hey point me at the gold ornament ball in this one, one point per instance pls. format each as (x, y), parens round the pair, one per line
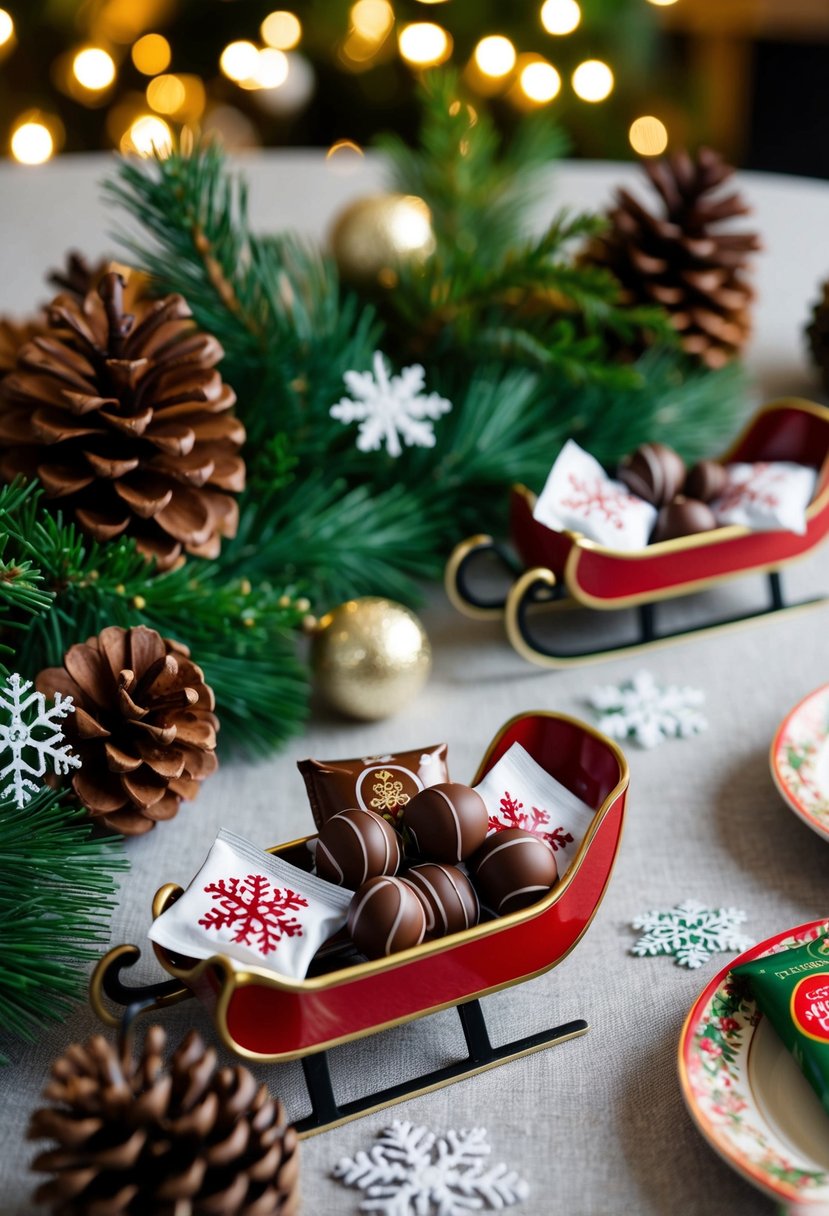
(370, 657)
(376, 234)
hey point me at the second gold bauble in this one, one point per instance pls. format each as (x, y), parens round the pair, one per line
(370, 657)
(375, 235)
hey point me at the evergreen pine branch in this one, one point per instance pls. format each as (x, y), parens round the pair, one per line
(57, 889)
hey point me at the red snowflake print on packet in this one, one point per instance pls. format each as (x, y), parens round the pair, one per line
(511, 814)
(766, 496)
(252, 908)
(578, 496)
(519, 793)
(257, 914)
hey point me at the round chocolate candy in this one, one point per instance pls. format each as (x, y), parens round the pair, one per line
(683, 517)
(654, 472)
(386, 916)
(705, 481)
(448, 898)
(513, 869)
(446, 822)
(354, 846)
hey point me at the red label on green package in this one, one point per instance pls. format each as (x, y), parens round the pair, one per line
(810, 1007)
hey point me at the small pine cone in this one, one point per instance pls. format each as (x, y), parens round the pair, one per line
(143, 725)
(145, 1138)
(679, 258)
(13, 337)
(126, 421)
(817, 334)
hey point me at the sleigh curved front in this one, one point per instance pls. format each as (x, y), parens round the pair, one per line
(263, 1016)
(606, 579)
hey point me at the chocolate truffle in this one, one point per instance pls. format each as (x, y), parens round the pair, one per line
(386, 916)
(446, 822)
(705, 481)
(356, 845)
(513, 869)
(448, 898)
(683, 517)
(654, 472)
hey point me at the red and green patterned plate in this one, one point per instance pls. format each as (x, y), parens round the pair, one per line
(746, 1094)
(800, 760)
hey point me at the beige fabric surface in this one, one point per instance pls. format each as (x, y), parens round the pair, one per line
(596, 1126)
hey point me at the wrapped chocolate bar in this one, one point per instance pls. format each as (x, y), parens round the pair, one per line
(578, 496)
(792, 990)
(519, 793)
(383, 784)
(254, 908)
(766, 496)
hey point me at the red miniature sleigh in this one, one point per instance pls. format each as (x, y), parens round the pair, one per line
(264, 1016)
(558, 568)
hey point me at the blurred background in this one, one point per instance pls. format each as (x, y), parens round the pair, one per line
(623, 76)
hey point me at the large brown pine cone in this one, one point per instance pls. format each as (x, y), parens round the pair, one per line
(143, 725)
(817, 334)
(678, 256)
(141, 1138)
(125, 420)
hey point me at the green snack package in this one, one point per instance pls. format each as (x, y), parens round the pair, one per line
(792, 990)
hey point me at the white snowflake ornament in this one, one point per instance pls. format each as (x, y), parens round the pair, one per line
(642, 710)
(31, 734)
(390, 408)
(412, 1172)
(690, 932)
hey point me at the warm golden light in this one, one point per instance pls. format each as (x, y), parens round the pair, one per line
(662, 3)
(343, 145)
(560, 16)
(424, 44)
(495, 55)
(372, 19)
(148, 135)
(271, 70)
(6, 27)
(152, 54)
(593, 80)
(648, 136)
(166, 94)
(32, 143)
(239, 60)
(281, 30)
(93, 68)
(540, 82)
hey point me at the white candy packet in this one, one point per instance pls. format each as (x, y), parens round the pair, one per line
(519, 793)
(580, 497)
(254, 908)
(766, 496)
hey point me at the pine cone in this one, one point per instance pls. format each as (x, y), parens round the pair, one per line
(680, 259)
(141, 1138)
(78, 276)
(143, 725)
(13, 337)
(126, 420)
(817, 334)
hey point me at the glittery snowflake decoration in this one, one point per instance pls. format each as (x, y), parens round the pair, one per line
(390, 408)
(642, 710)
(690, 932)
(30, 734)
(412, 1172)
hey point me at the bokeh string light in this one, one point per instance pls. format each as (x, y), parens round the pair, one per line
(495, 55)
(281, 30)
(593, 80)
(32, 142)
(152, 54)
(560, 16)
(648, 135)
(540, 81)
(6, 27)
(424, 44)
(94, 68)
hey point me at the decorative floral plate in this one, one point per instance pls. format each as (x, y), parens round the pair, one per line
(800, 760)
(746, 1094)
